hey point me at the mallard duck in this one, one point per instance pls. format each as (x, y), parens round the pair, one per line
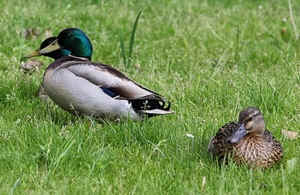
(83, 87)
(247, 142)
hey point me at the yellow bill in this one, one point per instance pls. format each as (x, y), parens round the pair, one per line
(48, 49)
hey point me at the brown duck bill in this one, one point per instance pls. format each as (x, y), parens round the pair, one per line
(237, 135)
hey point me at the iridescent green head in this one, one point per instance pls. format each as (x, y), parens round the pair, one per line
(70, 41)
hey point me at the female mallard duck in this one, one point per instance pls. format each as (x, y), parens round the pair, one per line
(80, 86)
(247, 141)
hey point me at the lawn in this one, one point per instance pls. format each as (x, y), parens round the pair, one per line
(210, 58)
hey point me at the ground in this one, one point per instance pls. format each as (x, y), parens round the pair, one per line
(209, 58)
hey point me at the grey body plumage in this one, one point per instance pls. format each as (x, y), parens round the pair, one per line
(80, 86)
(75, 85)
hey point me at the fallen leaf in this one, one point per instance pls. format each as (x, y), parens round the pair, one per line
(203, 183)
(31, 66)
(48, 33)
(189, 135)
(286, 34)
(137, 66)
(30, 33)
(290, 134)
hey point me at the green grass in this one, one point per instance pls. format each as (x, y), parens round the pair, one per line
(209, 58)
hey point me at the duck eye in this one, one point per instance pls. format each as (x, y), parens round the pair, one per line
(248, 119)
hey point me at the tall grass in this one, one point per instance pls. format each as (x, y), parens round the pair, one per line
(127, 56)
(209, 58)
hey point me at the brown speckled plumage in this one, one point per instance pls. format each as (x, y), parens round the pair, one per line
(258, 148)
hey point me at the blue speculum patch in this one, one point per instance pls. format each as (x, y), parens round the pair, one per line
(109, 92)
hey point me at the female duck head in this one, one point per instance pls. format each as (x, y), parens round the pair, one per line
(70, 41)
(252, 121)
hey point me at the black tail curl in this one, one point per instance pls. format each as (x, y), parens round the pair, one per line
(150, 102)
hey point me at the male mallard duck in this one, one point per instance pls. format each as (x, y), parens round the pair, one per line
(83, 87)
(247, 141)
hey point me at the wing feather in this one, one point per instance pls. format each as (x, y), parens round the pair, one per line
(105, 76)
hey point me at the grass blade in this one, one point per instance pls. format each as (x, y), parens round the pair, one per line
(131, 43)
(16, 184)
(237, 46)
(123, 52)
